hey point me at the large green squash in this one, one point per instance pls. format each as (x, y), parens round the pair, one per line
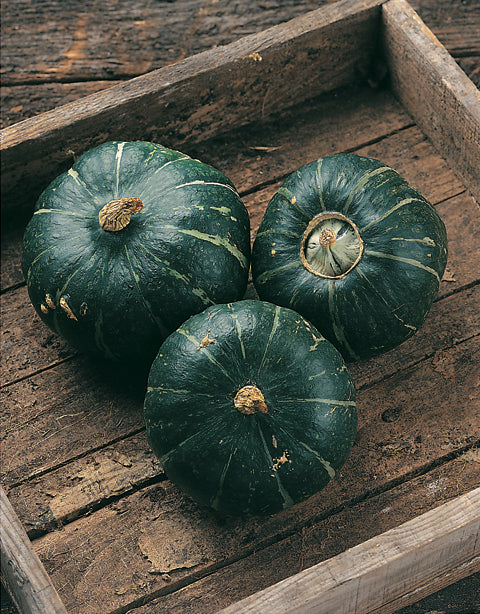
(351, 246)
(130, 242)
(249, 409)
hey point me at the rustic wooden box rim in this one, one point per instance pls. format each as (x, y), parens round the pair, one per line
(182, 103)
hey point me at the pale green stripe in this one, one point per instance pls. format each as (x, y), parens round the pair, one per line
(334, 402)
(325, 464)
(337, 328)
(409, 261)
(215, 240)
(161, 326)
(73, 173)
(292, 199)
(239, 334)
(275, 324)
(216, 498)
(62, 212)
(287, 499)
(201, 294)
(362, 183)
(399, 205)
(425, 241)
(161, 389)
(210, 183)
(182, 159)
(320, 184)
(118, 158)
(267, 275)
(385, 302)
(205, 351)
(284, 233)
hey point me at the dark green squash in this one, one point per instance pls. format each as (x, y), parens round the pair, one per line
(249, 409)
(351, 246)
(130, 242)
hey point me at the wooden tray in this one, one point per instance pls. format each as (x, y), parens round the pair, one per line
(112, 533)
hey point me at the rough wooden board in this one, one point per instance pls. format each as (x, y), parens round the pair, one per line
(458, 598)
(125, 39)
(199, 96)
(19, 102)
(31, 589)
(144, 525)
(61, 413)
(447, 106)
(322, 540)
(384, 454)
(382, 572)
(114, 42)
(92, 481)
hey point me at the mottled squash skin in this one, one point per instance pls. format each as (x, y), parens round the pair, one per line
(378, 273)
(249, 409)
(119, 294)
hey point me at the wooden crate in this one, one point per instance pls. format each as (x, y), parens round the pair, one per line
(402, 519)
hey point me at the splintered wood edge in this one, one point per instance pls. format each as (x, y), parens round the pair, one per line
(27, 581)
(431, 86)
(393, 569)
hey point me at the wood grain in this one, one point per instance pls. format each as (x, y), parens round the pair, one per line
(112, 531)
(117, 45)
(327, 538)
(31, 588)
(197, 97)
(378, 573)
(447, 105)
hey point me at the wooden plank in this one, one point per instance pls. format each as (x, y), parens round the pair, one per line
(121, 41)
(197, 97)
(158, 530)
(374, 575)
(156, 542)
(29, 585)
(330, 536)
(447, 105)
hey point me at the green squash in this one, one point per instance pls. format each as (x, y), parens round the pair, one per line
(352, 247)
(130, 242)
(249, 409)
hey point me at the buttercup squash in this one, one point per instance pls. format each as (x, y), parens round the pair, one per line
(130, 242)
(352, 247)
(249, 409)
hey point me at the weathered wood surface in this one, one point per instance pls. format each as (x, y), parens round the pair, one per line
(447, 106)
(197, 97)
(115, 534)
(31, 588)
(78, 457)
(372, 575)
(53, 54)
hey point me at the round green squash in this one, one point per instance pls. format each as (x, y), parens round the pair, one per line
(249, 409)
(351, 246)
(130, 242)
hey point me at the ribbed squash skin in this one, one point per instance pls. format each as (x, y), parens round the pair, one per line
(126, 291)
(259, 463)
(387, 295)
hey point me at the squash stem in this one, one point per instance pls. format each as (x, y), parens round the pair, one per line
(116, 214)
(250, 400)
